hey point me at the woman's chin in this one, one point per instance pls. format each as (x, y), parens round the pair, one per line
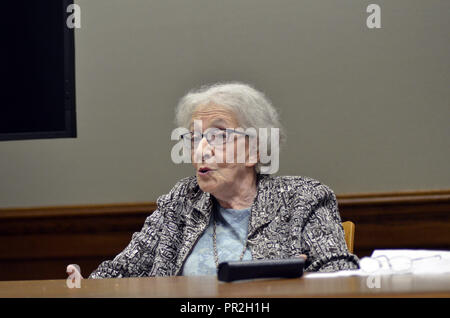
(205, 186)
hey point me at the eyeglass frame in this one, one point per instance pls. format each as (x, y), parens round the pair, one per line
(388, 261)
(207, 134)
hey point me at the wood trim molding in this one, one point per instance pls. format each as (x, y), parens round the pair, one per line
(394, 197)
(77, 210)
(374, 198)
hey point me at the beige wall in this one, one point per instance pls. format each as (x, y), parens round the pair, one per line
(365, 110)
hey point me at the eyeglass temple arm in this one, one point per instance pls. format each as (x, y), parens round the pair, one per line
(239, 132)
(386, 259)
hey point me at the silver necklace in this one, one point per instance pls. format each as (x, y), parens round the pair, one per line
(216, 257)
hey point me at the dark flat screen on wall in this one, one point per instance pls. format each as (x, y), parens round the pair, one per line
(38, 71)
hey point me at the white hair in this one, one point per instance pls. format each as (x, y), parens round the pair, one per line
(251, 107)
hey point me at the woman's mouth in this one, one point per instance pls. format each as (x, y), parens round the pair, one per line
(204, 171)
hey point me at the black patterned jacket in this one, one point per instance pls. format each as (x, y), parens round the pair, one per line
(289, 216)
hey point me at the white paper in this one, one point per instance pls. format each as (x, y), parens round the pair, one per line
(347, 273)
(411, 253)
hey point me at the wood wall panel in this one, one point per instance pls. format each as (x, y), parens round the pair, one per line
(418, 219)
(38, 243)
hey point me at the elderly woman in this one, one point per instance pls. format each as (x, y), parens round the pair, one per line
(229, 210)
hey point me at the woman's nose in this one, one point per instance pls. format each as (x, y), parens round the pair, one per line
(203, 151)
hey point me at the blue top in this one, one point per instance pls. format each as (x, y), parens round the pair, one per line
(231, 235)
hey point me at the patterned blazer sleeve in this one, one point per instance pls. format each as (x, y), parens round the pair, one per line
(324, 237)
(137, 258)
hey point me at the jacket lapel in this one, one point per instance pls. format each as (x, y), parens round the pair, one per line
(262, 210)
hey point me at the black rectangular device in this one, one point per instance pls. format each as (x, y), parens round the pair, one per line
(38, 70)
(275, 268)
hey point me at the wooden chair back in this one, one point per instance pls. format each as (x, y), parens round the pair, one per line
(349, 231)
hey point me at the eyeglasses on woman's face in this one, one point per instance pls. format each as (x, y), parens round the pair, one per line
(216, 137)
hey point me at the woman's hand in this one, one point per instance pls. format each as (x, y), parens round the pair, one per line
(73, 270)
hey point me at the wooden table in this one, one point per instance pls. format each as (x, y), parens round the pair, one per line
(210, 287)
